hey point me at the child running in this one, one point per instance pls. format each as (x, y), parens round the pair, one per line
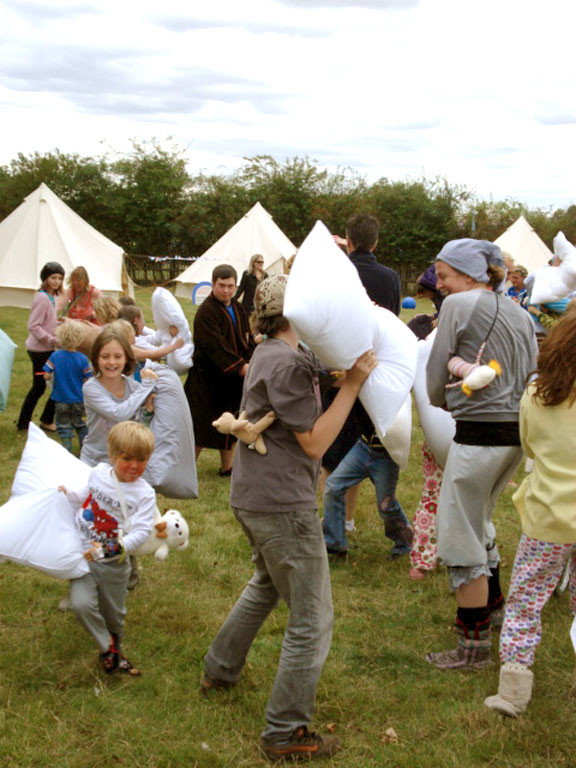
(112, 396)
(545, 503)
(274, 500)
(69, 369)
(115, 513)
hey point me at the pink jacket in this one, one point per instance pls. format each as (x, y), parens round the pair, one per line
(42, 324)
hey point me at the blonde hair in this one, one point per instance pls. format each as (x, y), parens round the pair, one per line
(253, 261)
(79, 272)
(122, 328)
(70, 334)
(106, 309)
(131, 438)
(508, 261)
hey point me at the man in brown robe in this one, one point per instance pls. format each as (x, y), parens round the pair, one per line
(223, 345)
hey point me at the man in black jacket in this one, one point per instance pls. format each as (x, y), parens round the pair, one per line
(357, 452)
(382, 284)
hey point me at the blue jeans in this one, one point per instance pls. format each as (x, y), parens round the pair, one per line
(360, 462)
(70, 417)
(290, 563)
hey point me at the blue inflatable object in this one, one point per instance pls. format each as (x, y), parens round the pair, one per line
(408, 303)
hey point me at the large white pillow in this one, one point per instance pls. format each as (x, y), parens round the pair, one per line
(552, 283)
(38, 530)
(399, 435)
(331, 312)
(46, 464)
(7, 348)
(167, 311)
(437, 424)
(171, 469)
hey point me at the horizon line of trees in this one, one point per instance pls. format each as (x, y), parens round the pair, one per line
(147, 202)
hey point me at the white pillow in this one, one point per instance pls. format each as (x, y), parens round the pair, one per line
(167, 311)
(399, 435)
(172, 466)
(38, 530)
(331, 312)
(437, 424)
(552, 283)
(46, 464)
(7, 348)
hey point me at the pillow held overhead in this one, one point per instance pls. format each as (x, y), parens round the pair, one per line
(331, 312)
(167, 311)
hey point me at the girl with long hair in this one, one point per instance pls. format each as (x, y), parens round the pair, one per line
(546, 504)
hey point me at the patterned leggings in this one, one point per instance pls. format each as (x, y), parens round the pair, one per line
(424, 546)
(537, 570)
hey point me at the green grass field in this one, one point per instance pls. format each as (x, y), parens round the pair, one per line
(58, 710)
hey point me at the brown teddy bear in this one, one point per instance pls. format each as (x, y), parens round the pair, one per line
(248, 433)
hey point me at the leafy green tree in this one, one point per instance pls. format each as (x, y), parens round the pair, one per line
(416, 219)
(82, 182)
(151, 188)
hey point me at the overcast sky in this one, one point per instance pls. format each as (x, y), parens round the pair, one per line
(483, 93)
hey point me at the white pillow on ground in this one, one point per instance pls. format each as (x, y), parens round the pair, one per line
(437, 424)
(38, 530)
(47, 464)
(331, 312)
(167, 311)
(552, 283)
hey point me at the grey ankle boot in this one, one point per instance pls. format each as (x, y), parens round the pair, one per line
(514, 690)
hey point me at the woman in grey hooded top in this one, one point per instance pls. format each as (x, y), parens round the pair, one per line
(486, 449)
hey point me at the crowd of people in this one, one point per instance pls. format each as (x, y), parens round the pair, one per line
(248, 359)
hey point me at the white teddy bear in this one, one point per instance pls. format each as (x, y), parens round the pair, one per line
(170, 532)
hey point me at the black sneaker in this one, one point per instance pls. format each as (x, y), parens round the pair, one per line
(303, 745)
(337, 555)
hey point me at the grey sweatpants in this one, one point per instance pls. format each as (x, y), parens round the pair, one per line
(98, 600)
(474, 478)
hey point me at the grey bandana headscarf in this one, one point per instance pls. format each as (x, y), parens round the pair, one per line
(472, 257)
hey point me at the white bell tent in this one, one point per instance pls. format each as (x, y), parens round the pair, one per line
(255, 232)
(42, 229)
(524, 245)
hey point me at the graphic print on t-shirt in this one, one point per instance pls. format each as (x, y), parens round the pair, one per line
(96, 523)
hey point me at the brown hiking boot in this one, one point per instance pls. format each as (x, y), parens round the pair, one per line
(209, 684)
(303, 745)
(461, 658)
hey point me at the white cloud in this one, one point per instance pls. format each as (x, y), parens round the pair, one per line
(481, 94)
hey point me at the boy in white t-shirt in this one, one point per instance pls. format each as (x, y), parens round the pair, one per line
(115, 516)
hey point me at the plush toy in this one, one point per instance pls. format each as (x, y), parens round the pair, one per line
(170, 532)
(248, 433)
(474, 375)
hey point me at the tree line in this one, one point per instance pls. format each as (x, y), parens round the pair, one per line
(147, 202)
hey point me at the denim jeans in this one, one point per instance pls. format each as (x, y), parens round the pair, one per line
(290, 562)
(360, 462)
(70, 417)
